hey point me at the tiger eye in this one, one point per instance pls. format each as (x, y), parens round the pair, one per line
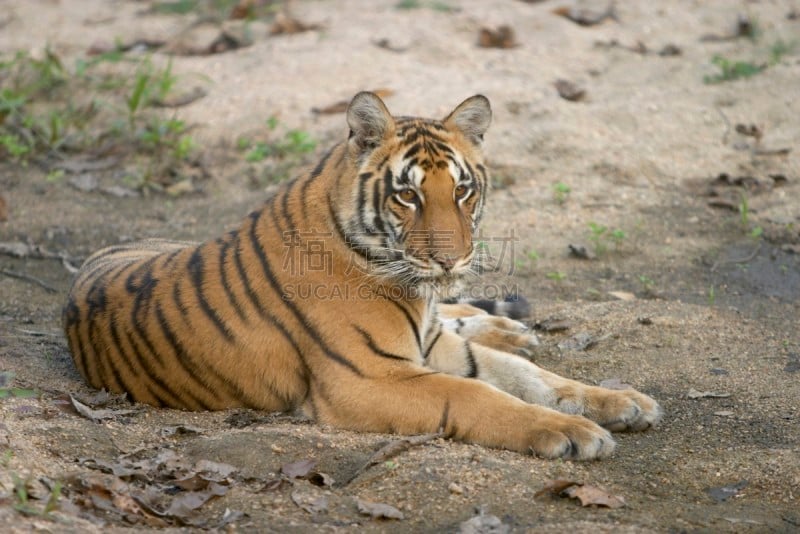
(407, 195)
(461, 190)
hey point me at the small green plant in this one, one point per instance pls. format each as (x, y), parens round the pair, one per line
(561, 192)
(408, 4)
(287, 149)
(648, 284)
(744, 210)
(732, 70)
(558, 276)
(436, 5)
(600, 237)
(712, 295)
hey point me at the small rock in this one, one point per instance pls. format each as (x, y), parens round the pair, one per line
(84, 182)
(455, 489)
(622, 295)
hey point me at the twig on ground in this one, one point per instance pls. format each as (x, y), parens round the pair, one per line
(29, 278)
(391, 450)
(746, 259)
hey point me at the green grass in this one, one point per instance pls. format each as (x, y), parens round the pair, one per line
(602, 236)
(561, 192)
(49, 112)
(731, 70)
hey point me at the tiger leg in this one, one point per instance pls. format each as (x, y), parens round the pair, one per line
(616, 410)
(406, 398)
(499, 333)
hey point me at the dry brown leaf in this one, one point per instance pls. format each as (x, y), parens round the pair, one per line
(588, 495)
(309, 500)
(586, 17)
(502, 37)
(298, 469)
(594, 496)
(99, 415)
(3, 209)
(286, 24)
(378, 510)
(554, 487)
(569, 91)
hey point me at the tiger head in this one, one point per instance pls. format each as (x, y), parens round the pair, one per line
(419, 190)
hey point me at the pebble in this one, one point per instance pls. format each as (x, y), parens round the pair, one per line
(455, 489)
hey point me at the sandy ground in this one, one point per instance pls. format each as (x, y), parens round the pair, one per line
(687, 300)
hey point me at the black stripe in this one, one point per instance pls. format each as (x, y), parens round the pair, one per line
(172, 256)
(411, 322)
(307, 183)
(232, 389)
(292, 225)
(433, 343)
(302, 319)
(377, 199)
(376, 349)
(153, 375)
(473, 366)
(361, 199)
(195, 267)
(226, 286)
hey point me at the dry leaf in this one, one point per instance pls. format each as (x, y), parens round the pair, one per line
(99, 415)
(286, 24)
(310, 501)
(593, 496)
(723, 493)
(378, 510)
(569, 91)
(588, 495)
(484, 523)
(578, 342)
(3, 209)
(502, 37)
(298, 469)
(586, 17)
(185, 503)
(554, 487)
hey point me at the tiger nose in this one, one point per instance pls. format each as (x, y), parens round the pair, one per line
(446, 261)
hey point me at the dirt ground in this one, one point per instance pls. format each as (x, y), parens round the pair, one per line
(698, 292)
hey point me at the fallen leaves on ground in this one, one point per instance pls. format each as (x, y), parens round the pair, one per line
(159, 491)
(502, 37)
(587, 495)
(378, 510)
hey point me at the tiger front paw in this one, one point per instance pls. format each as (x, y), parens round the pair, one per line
(570, 437)
(624, 410)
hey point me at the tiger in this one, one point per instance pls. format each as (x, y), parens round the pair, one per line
(327, 301)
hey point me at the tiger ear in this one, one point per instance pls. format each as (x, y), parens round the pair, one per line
(472, 117)
(369, 120)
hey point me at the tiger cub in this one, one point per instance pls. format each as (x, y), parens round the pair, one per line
(324, 301)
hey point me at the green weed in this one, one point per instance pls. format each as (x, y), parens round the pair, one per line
(556, 275)
(601, 236)
(732, 70)
(561, 192)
